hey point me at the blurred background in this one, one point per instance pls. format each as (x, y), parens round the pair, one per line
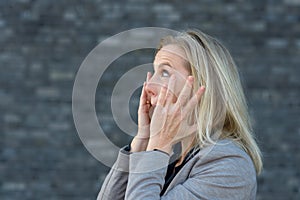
(43, 43)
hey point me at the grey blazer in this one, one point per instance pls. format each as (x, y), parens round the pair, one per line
(220, 171)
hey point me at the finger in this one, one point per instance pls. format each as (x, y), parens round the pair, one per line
(186, 91)
(162, 96)
(149, 75)
(143, 97)
(194, 100)
(170, 91)
(144, 94)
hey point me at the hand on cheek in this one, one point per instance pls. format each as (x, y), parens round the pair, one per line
(140, 141)
(169, 120)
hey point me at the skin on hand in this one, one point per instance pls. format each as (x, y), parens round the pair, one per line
(170, 61)
(140, 141)
(169, 121)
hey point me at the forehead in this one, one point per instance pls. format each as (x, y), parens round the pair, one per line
(172, 54)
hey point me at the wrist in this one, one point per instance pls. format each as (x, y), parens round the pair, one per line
(138, 144)
(153, 145)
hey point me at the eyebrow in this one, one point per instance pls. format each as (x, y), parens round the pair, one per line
(162, 64)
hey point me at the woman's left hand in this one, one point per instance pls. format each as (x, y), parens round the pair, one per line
(169, 123)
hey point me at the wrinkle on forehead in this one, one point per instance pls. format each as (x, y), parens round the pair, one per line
(176, 51)
(172, 48)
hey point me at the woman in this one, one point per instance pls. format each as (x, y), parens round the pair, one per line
(194, 137)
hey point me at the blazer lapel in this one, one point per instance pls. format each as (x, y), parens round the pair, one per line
(182, 175)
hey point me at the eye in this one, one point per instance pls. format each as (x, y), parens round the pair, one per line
(165, 73)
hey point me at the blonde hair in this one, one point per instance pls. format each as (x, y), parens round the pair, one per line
(222, 111)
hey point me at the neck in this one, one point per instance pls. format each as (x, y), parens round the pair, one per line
(186, 145)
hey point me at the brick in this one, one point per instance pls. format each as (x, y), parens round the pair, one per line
(292, 2)
(277, 43)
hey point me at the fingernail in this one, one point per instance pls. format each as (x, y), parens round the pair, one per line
(191, 78)
(202, 89)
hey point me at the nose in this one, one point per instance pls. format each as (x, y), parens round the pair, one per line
(151, 88)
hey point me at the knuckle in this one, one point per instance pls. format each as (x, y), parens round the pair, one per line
(184, 97)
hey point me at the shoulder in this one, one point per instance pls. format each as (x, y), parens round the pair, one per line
(228, 155)
(225, 164)
(225, 150)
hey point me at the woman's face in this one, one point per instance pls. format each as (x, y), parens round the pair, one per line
(169, 60)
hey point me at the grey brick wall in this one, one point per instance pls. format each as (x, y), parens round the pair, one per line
(43, 42)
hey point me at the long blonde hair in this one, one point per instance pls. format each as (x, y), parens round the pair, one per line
(222, 112)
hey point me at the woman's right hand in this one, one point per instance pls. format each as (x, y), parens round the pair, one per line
(140, 141)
